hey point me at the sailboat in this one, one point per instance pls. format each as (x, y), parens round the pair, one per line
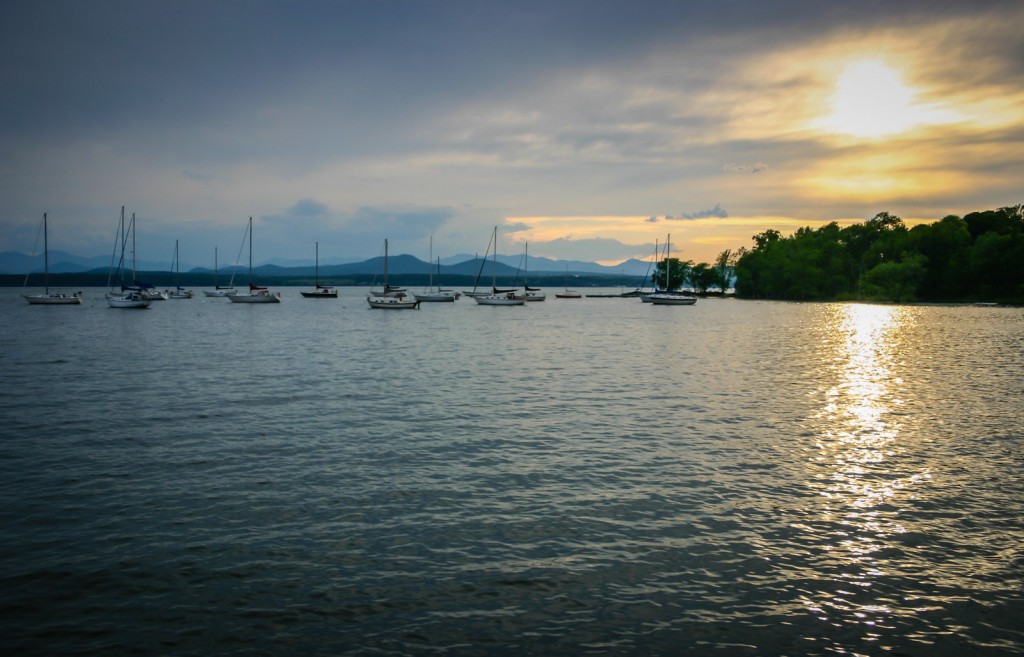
(47, 299)
(391, 298)
(476, 291)
(498, 297)
(321, 291)
(217, 290)
(568, 294)
(130, 296)
(256, 294)
(144, 289)
(178, 292)
(530, 293)
(645, 296)
(432, 294)
(668, 297)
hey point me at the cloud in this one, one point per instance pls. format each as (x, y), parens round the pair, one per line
(589, 249)
(308, 208)
(745, 167)
(717, 211)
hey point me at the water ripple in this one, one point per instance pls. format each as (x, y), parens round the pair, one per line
(596, 479)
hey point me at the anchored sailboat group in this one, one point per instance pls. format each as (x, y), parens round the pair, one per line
(133, 293)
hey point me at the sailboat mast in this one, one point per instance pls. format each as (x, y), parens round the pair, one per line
(494, 262)
(668, 265)
(46, 256)
(215, 286)
(250, 253)
(316, 275)
(134, 264)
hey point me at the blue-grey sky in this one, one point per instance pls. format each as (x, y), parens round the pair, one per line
(587, 128)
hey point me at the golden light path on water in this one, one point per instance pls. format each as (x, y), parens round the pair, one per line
(859, 445)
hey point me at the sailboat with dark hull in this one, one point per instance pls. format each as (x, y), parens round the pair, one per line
(319, 291)
(219, 291)
(58, 298)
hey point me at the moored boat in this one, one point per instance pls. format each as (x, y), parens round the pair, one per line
(670, 297)
(218, 291)
(498, 297)
(178, 292)
(256, 294)
(391, 298)
(129, 300)
(47, 298)
(319, 291)
(436, 294)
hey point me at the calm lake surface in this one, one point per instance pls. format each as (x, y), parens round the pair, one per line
(572, 477)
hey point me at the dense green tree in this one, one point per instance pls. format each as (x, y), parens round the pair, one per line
(946, 245)
(979, 256)
(703, 276)
(895, 281)
(679, 271)
(725, 263)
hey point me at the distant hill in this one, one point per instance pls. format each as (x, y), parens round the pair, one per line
(14, 263)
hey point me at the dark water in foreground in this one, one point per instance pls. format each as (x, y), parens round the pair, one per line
(591, 477)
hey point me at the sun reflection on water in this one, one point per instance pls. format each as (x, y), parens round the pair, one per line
(859, 475)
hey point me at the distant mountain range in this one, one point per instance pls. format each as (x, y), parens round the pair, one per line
(13, 263)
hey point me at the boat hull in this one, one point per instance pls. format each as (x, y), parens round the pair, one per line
(320, 294)
(54, 299)
(258, 297)
(672, 300)
(218, 294)
(500, 300)
(437, 297)
(392, 303)
(129, 302)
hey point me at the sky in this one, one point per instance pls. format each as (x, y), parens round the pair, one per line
(587, 129)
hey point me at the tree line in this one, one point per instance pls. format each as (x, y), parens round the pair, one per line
(977, 257)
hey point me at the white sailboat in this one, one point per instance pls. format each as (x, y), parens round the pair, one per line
(568, 294)
(498, 297)
(178, 292)
(58, 298)
(391, 298)
(130, 296)
(438, 294)
(218, 291)
(668, 297)
(319, 291)
(256, 294)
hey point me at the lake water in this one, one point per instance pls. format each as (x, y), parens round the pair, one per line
(573, 477)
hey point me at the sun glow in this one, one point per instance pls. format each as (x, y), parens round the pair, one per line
(872, 100)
